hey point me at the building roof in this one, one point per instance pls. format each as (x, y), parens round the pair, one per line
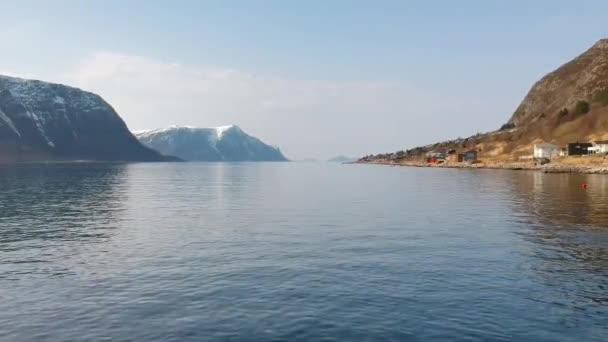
(601, 142)
(546, 145)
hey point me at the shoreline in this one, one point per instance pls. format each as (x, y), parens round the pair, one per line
(554, 167)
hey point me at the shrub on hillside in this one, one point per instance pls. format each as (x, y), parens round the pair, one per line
(602, 97)
(582, 107)
(507, 126)
(563, 113)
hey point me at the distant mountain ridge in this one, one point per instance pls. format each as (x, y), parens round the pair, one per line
(342, 159)
(41, 121)
(225, 143)
(569, 104)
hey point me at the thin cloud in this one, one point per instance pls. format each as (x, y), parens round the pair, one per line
(304, 117)
(149, 93)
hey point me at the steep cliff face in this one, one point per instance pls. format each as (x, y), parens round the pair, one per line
(582, 79)
(227, 143)
(45, 121)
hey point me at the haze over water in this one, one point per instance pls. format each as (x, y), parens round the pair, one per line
(300, 251)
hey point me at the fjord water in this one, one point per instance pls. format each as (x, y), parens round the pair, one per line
(300, 252)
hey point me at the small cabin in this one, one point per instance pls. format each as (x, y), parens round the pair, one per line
(579, 149)
(470, 156)
(546, 151)
(599, 147)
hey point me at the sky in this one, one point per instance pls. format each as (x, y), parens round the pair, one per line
(317, 78)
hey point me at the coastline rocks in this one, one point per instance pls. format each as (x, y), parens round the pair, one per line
(559, 168)
(516, 166)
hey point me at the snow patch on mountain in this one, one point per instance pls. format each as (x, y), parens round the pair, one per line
(9, 123)
(223, 143)
(58, 121)
(223, 129)
(40, 123)
(59, 100)
(31, 92)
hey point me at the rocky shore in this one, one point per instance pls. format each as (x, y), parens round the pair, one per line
(553, 167)
(565, 168)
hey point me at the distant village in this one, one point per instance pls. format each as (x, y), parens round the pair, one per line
(541, 153)
(548, 151)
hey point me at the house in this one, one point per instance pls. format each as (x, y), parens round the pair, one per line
(434, 157)
(470, 156)
(599, 147)
(546, 151)
(578, 149)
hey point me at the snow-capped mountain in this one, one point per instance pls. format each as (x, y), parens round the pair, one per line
(45, 121)
(226, 143)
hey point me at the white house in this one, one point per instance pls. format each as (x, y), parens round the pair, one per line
(546, 151)
(599, 147)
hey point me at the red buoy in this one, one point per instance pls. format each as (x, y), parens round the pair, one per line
(584, 186)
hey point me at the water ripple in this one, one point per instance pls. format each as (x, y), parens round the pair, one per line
(300, 252)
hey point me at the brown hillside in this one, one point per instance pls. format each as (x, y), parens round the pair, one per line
(583, 78)
(569, 104)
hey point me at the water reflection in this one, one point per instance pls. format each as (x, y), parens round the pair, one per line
(560, 199)
(564, 225)
(51, 210)
(317, 251)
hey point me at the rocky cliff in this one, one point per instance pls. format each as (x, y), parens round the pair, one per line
(42, 121)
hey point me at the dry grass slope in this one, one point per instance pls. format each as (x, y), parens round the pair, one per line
(569, 104)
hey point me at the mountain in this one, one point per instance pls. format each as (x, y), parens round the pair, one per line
(342, 159)
(42, 121)
(569, 104)
(585, 78)
(226, 143)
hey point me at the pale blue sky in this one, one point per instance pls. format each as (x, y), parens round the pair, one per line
(317, 78)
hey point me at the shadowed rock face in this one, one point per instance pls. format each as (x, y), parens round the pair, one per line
(44, 121)
(228, 143)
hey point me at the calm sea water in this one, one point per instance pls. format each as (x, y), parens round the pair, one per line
(300, 252)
